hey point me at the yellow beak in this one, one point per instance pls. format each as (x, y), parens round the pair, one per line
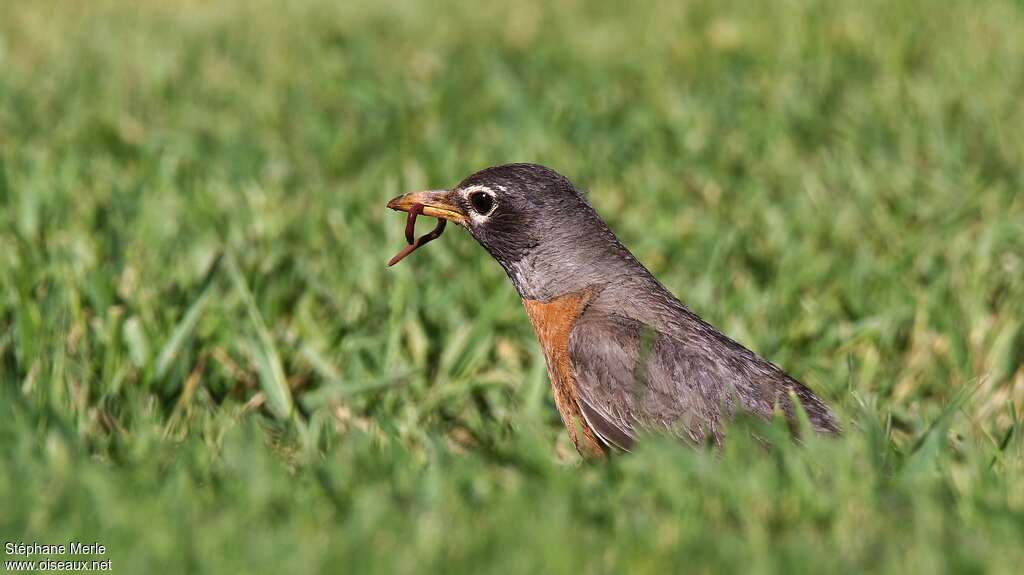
(436, 204)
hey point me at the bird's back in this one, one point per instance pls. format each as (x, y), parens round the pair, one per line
(642, 359)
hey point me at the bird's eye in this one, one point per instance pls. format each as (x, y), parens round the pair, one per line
(482, 202)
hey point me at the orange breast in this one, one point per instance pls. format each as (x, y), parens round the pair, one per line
(553, 321)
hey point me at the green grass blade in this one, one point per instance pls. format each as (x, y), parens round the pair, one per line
(272, 378)
(182, 331)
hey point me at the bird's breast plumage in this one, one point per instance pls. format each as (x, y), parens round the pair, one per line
(553, 321)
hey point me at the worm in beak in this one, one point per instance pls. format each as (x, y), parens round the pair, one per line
(410, 234)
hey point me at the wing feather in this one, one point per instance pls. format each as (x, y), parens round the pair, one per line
(629, 377)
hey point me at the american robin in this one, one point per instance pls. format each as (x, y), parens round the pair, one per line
(623, 354)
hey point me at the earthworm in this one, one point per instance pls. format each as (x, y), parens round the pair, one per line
(410, 232)
(410, 223)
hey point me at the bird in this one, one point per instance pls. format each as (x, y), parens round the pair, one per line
(624, 356)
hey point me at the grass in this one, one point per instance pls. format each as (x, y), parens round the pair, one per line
(206, 367)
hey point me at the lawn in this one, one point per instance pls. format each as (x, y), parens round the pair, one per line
(206, 366)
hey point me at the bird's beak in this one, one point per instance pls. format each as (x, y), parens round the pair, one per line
(436, 204)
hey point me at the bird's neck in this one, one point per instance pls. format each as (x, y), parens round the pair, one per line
(572, 265)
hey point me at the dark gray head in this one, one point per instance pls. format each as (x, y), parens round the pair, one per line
(535, 223)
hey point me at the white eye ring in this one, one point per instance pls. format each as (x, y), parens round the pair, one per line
(481, 202)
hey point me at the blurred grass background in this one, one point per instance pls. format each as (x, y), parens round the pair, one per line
(206, 366)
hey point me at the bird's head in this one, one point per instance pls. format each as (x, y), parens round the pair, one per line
(533, 221)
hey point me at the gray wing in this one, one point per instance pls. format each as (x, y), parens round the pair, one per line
(629, 378)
